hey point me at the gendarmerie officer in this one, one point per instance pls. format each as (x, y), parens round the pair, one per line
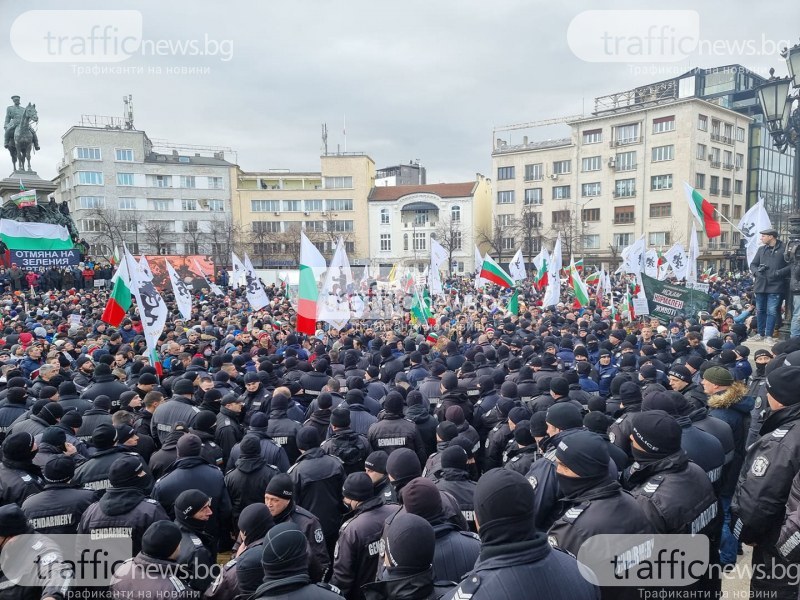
(454, 479)
(94, 473)
(272, 452)
(178, 408)
(19, 477)
(394, 431)
(249, 478)
(193, 511)
(124, 511)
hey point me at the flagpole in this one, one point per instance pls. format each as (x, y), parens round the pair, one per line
(716, 210)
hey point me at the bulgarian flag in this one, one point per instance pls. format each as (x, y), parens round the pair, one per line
(578, 286)
(491, 271)
(23, 235)
(120, 300)
(420, 311)
(542, 264)
(513, 303)
(594, 279)
(311, 263)
(702, 211)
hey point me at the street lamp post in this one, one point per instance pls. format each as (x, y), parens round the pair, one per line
(777, 97)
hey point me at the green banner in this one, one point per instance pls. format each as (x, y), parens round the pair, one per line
(668, 301)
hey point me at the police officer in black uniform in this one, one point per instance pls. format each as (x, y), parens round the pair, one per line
(272, 452)
(228, 431)
(454, 479)
(94, 473)
(19, 477)
(248, 480)
(193, 511)
(375, 467)
(345, 444)
(178, 408)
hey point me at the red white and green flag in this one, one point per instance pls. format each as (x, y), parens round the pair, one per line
(595, 278)
(702, 211)
(120, 300)
(491, 271)
(578, 287)
(513, 303)
(312, 263)
(542, 264)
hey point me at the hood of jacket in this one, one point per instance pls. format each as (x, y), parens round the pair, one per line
(118, 501)
(251, 464)
(417, 413)
(731, 398)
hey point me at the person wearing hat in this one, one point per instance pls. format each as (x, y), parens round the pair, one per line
(770, 272)
(15, 407)
(100, 412)
(32, 565)
(61, 503)
(345, 444)
(516, 560)
(42, 415)
(69, 399)
(255, 396)
(192, 470)
(606, 371)
(355, 557)
(105, 384)
(451, 394)
(375, 467)
(243, 574)
(674, 492)
(19, 476)
(198, 548)
(52, 442)
(319, 415)
(180, 407)
(525, 450)
(454, 478)
(162, 459)
(446, 432)
(147, 383)
(393, 431)
(282, 428)
(315, 380)
(279, 498)
(757, 388)
(154, 572)
(273, 453)
(681, 380)
(767, 491)
(124, 511)
(501, 434)
(247, 481)
(84, 374)
(228, 430)
(431, 386)
(318, 479)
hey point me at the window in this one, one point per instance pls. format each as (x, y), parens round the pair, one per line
(123, 155)
(658, 238)
(187, 181)
(715, 128)
(702, 151)
(268, 226)
(90, 178)
(505, 173)
(714, 187)
(456, 241)
(386, 242)
(505, 220)
(664, 124)
(626, 134)
(700, 181)
(625, 161)
(591, 241)
(726, 186)
(661, 182)
(726, 211)
(314, 226)
(265, 205)
(737, 212)
(90, 225)
(702, 122)
(350, 247)
(506, 197)
(455, 214)
(739, 164)
(292, 205)
(561, 167)
(83, 153)
(534, 172)
(338, 205)
(162, 181)
(187, 204)
(126, 203)
(191, 248)
(533, 196)
(533, 220)
(661, 153)
(161, 204)
(727, 129)
(420, 217)
(508, 243)
(592, 163)
(384, 216)
(312, 205)
(740, 134)
(661, 209)
(624, 214)
(560, 217)
(91, 202)
(124, 178)
(420, 241)
(593, 136)
(340, 226)
(624, 188)
(190, 227)
(622, 239)
(716, 157)
(727, 159)
(405, 241)
(590, 189)
(99, 250)
(590, 214)
(338, 183)
(738, 186)
(215, 183)
(216, 205)
(129, 225)
(561, 192)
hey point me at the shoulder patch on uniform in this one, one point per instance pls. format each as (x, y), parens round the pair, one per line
(151, 501)
(552, 540)
(48, 558)
(573, 513)
(196, 540)
(227, 421)
(212, 444)
(291, 468)
(176, 583)
(780, 432)
(533, 481)
(195, 409)
(26, 478)
(618, 421)
(758, 402)
(470, 534)
(612, 436)
(467, 588)
(318, 537)
(760, 466)
(329, 587)
(651, 486)
(516, 458)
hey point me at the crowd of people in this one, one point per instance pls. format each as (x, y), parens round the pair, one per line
(468, 458)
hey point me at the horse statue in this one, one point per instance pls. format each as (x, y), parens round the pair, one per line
(23, 138)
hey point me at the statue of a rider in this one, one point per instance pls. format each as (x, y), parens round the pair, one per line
(13, 117)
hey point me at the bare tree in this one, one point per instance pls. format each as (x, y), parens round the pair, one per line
(110, 233)
(529, 226)
(449, 235)
(192, 235)
(158, 234)
(492, 236)
(224, 237)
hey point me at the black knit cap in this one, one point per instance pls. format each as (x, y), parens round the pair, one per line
(630, 393)
(597, 422)
(250, 446)
(55, 436)
(454, 457)
(522, 434)
(307, 438)
(538, 424)
(421, 497)
(59, 469)
(358, 486)
(504, 505)
(584, 452)
(127, 471)
(285, 550)
(657, 432)
(161, 539)
(659, 401)
(564, 415)
(189, 445)
(410, 543)
(376, 461)
(255, 521)
(281, 486)
(189, 502)
(681, 373)
(340, 417)
(12, 521)
(403, 463)
(560, 386)
(519, 413)
(782, 385)
(446, 431)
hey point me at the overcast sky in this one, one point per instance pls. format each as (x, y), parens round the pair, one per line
(416, 79)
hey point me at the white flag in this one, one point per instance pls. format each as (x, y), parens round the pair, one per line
(152, 308)
(439, 257)
(239, 272)
(478, 265)
(144, 268)
(516, 268)
(694, 253)
(677, 259)
(183, 296)
(552, 294)
(651, 263)
(215, 289)
(633, 257)
(256, 295)
(333, 303)
(754, 220)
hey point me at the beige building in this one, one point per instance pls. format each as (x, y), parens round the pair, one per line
(621, 174)
(270, 208)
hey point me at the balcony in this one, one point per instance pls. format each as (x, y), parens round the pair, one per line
(724, 139)
(716, 163)
(625, 142)
(628, 193)
(727, 166)
(726, 193)
(621, 168)
(624, 221)
(714, 191)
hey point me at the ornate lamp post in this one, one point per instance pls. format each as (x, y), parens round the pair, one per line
(777, 97)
